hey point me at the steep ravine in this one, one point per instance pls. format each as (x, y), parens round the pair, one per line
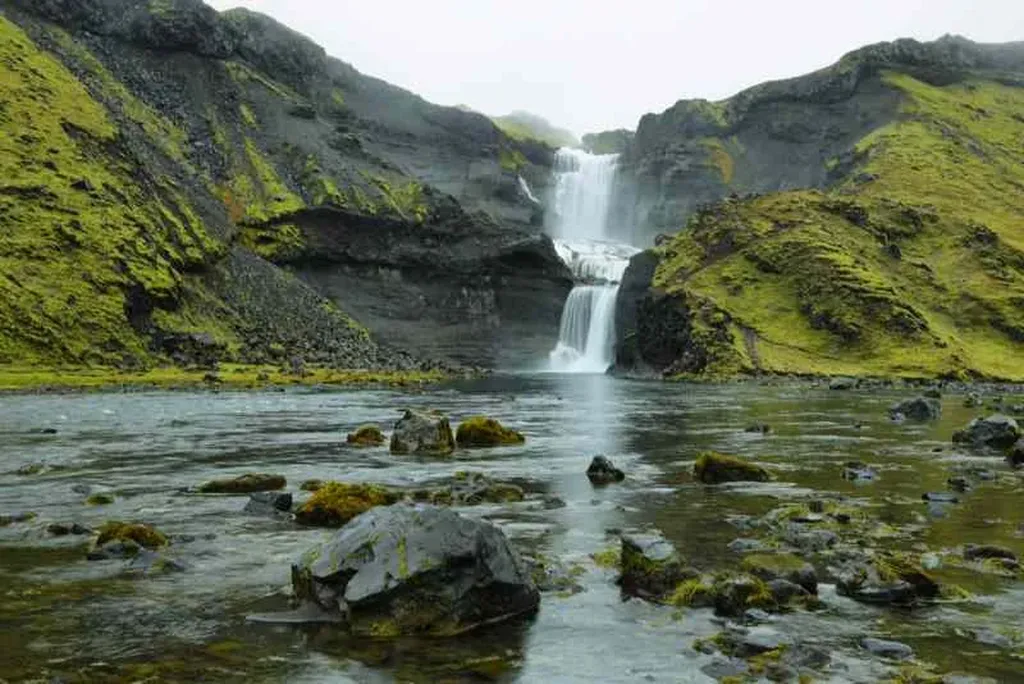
(178, 184)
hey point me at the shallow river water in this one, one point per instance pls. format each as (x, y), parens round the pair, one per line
(63, 618)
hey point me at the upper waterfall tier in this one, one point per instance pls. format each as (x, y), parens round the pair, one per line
(593, 261)
(583, 192)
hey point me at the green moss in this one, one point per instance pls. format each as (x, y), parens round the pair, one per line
(481, 431)
(608, 558)
(143, 535)
(248, 116)
(715, 468)
(720, 159)
(773, 564)
(246, 76)
(82, 222)
(366, 435)
(100, 500)
(407, 200)
(692, 593)
(511, 159)
(917, 273)
(245, 484)
(335, 503)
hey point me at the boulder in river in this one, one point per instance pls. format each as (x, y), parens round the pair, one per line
(715, 468)
(420, 432)
(366, 436)
(997, 432)
(602, 471)
(481, 431)
(6, 520)
(117, 539)
(974, 552)
(919, 408)
(651, 566)
(469, 489)
(336, 503)
(1016, 455)
(842, 384)
(887, 579)
(268, 503)
(245, 484)
(784, 566)
(887, 649)
(416, 569)
(100, 499)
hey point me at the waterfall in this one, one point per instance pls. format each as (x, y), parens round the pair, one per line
(583, 189)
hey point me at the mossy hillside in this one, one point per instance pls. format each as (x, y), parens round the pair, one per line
(912, 266)
(83, 222)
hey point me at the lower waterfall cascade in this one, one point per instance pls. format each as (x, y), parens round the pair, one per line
(583, 188)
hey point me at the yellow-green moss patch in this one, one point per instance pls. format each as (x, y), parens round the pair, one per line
(143, 535)
(335, 503)
(715, 468)
(481, 431)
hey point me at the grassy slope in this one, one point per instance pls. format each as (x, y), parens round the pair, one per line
(918, 272)
(82, 222)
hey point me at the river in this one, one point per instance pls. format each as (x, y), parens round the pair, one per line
(64, 618)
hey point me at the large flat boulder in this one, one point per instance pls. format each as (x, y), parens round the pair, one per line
(416, 569)
(422, 432)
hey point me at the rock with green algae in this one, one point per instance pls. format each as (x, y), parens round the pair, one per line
(366, 436)
(101, 499)
(782, 566)
(481, 431)
(715, 468)
(416, 569)
(650, 566)
(245, 484)
(422, 432)
(469, 489)
(995, 432)
(116, 539)
(887, 579)
(336, 503)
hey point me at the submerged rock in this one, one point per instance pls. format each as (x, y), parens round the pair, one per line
(336, 503)
(481, 431)
(6, 520)
(919, 408)
(842, 384)
(782, 566)
(887, 649)
(940, 497)
(469, 489)
(420, 432)
(101, 499)
(715, 468)
(416, 570)
(245, 484)
(855, 471)
(268, 503)
(651, 566)
(887, 579)
(602, 471)
(366, 436)
(117, 539)
(996, 432)
(65, 529)
(974, 552)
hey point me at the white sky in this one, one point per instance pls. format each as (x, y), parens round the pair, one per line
(590, 65)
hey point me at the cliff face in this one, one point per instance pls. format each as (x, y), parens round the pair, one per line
(887, 238)
(784, 135)
(175, 178)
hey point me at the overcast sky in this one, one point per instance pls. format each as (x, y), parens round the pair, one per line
(591, 65)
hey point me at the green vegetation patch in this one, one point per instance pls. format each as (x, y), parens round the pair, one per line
(335, 503)
(481, 431)
(913, 266)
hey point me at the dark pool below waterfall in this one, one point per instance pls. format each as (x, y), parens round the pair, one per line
(63, 618)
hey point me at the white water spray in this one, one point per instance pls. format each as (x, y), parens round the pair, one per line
(583, 192)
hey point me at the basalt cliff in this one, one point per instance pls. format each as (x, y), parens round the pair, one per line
(866, 219)
(178, 184)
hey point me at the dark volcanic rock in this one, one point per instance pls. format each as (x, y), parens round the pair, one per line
(997, 432)
(651, 567)
(245, 484)
(1016, 455)
(602, 471)
(920, 408)
(420, 432)
(268, 503)
(416, 570)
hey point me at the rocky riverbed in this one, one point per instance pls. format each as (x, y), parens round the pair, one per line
(862, 544)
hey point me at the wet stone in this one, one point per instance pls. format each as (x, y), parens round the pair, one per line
(940, 498)
(996, 432)
(918, 409)
(760, 640)
(602, 472)
(423, 432)
(745, 545)
(651, 567)
(974, 552)
(811, 541)
(6, 520)
(959, 484)
(991, 638)
(245, 484)
(66, 529)
(893, 650)
(855, 471)
(268, 503)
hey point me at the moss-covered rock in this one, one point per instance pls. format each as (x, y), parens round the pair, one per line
(888, 579)
(101, 499)
(784, 566)
(335, 503)
(245, 484)
(715, 468)
(481, 431)
(650, 566)
(115, 539)
(470, 489)
(366, 436)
